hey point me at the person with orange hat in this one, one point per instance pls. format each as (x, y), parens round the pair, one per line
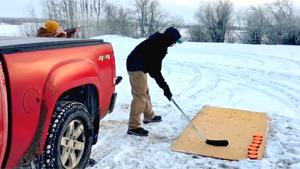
(52, 29)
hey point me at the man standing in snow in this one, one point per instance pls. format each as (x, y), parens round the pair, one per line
(147, 58)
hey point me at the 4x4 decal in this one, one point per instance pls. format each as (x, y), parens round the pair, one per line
(104, 57)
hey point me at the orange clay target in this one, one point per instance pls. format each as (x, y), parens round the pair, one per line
(254, 145)
(257, 138)
(252, 156)
(258, 135)
(252, 148)
(252, 152)
(256, 141)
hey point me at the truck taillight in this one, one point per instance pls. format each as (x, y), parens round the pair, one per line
(2, 79)
(3, 115)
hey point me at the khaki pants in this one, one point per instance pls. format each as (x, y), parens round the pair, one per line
(141, 102)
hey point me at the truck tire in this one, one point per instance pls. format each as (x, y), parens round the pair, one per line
(70, 137)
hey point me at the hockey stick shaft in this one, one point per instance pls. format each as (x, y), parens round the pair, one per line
(200, 135)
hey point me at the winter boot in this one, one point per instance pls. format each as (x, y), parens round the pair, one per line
(138, 131)
(155, 119)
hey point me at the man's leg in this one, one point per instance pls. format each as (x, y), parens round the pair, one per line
(138, 90)
(148, 112)
(149, 115)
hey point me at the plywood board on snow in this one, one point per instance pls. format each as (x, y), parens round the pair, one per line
(236, 126)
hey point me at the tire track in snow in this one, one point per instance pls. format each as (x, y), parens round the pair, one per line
(268, 83)
(269, 86)
(195, 82)
(253, 57)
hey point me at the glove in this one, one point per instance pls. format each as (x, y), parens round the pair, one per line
(168, 94)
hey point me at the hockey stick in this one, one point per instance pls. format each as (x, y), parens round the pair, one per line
(200, 135)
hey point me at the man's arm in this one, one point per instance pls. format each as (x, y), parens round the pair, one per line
(71, 32)
(43, 33)
(161, 83)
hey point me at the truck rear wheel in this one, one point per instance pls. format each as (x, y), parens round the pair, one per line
(70, 137)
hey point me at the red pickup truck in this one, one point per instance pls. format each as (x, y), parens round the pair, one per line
(53, 93)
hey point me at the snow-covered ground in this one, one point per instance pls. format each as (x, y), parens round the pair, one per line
(250, 77)
(9, 30)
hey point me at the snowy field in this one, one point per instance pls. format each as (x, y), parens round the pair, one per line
(9, 30)
(250, 77)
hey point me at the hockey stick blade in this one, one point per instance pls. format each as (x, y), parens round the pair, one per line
(221, 143)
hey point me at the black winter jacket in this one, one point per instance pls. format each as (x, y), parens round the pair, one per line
(148, 56)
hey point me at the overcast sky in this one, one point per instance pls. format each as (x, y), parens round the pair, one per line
(182, 8)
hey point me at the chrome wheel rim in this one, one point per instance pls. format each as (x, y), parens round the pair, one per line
(72, 144)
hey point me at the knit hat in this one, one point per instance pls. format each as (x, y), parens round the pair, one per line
(180, 40)
(173, 34)
(51, 26)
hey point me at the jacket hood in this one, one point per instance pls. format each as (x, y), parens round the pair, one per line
(172, 35)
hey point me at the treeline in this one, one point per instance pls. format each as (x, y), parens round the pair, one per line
(272, 23)
(97, 17)
(216, 21)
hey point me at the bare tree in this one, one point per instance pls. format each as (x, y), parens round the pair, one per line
(125, 22)
(142, 10)
(215, 18)
(69, 12)
(84, 15)
(64, 11)
(297, 31)
(282, 29)
(150, 17)
(98, 6)
(118, 20)
(30, 29)
(90, 14)
(197, 35)
(255, 24)
(50, 9)
(156, 19)
(110, 11)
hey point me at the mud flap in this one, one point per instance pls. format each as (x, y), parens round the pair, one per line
(112, 102)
